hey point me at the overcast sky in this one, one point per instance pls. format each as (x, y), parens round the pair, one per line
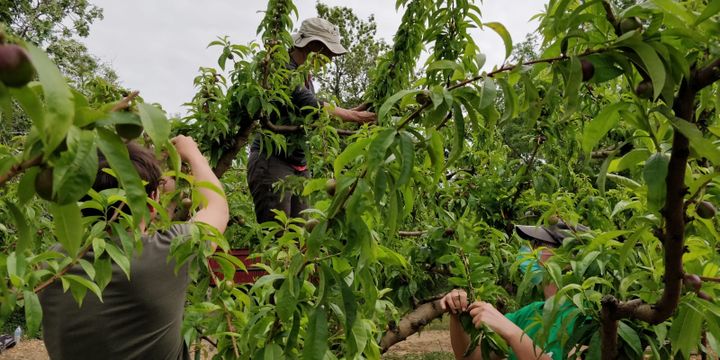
(157, 46)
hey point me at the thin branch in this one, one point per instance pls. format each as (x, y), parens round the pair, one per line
(710, 279)
(18, 168)
(415, 114)
(62, 272)
(412, 233)
(610, 16)
(280, 129)
(125, 102)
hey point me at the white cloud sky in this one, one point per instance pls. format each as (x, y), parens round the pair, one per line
(157, 46)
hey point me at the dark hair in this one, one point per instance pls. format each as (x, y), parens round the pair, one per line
(146, 165)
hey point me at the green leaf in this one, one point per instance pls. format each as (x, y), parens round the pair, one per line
(286, 303)
(33, 312)
(685, 330)
(459, 134)
(85, 283)
(621, 180)
(655, 174)
(504, 34)
(74, 173)
(488, 94)
(68, 226)
(595, 348)
(119, 258)
(700, 144)
(630, 337)
(457, 69)
(436, 153)
(673, 8)
(316, 340)
(510, 100)
(60, 109)
(24, 236)
(378, 148)
(30, 103)
(651, 62)
(270, 352)
(629, 160)
(155, 123)
(407, 154)
(600, 125)
(711, 10)
(605, 67)
(351, 153)
(26, 187)
(103, 271)
(313, 185)
(390, 102)
(117, 155)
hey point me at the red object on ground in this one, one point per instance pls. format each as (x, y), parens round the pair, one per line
(241, 277)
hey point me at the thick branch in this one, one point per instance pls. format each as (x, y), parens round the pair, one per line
(227, 158)
(673, 235)
(411, 323)
(706, 76)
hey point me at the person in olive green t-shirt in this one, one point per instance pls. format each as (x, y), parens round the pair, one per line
(519, 329)
(139, 317)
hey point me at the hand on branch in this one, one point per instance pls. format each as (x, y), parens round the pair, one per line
(454, 302)
(361, 107)
(485, 313)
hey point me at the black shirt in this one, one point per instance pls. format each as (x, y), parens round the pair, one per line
(301, 97)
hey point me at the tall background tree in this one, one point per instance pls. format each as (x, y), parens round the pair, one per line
(347, 78)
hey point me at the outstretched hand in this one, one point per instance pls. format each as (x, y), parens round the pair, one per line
(365, 117)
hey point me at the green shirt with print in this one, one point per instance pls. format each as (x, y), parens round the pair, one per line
(529, 318)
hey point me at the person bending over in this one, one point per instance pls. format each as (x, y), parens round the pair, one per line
(519, 329)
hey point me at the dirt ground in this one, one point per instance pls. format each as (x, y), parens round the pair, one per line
(424, 342)
(429, 341)
(26, 350)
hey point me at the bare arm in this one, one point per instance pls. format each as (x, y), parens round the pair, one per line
(455, 302)
(352, 115)
(521, 344)
(216, 213)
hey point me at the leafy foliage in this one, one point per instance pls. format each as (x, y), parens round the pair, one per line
(458, 156)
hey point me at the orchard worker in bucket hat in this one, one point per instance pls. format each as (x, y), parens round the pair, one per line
(519, 329)
(317, 36)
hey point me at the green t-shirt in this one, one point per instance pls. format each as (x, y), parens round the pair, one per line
(138, 319)
(529, 318)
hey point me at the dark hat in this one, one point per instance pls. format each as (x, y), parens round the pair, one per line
(548, 235)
